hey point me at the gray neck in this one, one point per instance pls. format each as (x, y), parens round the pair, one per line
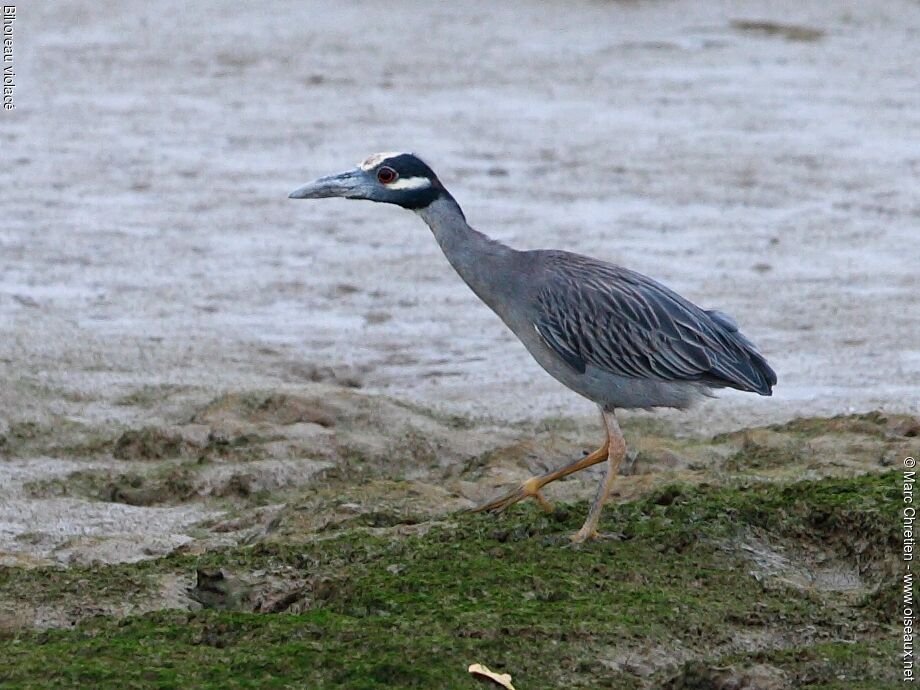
(483, 263)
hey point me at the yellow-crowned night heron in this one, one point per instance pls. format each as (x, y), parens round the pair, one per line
(610, 334)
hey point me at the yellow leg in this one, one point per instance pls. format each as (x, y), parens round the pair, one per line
(616, 452)
(531, 488)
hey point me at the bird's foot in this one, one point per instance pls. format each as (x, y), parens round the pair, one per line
(583, 535)
(529, 489)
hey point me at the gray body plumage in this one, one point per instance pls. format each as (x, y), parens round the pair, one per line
(613, 335)
(610, 334)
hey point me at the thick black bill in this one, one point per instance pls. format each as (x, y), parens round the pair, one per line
(348, 184)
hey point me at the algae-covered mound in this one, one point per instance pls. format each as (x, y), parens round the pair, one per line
(695, 587)
(317, 537)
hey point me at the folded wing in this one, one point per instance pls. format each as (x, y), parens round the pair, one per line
(594, 313)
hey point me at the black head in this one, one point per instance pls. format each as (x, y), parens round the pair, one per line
(393, 178)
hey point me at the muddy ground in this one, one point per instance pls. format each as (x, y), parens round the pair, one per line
(228, 419)
(317, 538)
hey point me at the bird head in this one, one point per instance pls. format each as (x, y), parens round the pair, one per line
(392, 178)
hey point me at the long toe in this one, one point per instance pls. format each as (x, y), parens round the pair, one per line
(502, 502)
(544, 504)
(583, 535)
(526, 490)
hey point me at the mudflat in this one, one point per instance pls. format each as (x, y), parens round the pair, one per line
(229, 421)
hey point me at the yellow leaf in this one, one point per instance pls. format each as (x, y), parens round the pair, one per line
(503, 679)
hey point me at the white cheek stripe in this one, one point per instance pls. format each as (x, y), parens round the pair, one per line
(376, 159)
(410, 183)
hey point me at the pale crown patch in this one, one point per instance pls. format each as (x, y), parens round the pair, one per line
(376, 159)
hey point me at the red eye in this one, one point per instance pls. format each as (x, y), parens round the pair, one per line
(386, 175)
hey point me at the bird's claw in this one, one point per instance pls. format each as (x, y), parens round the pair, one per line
(581, 536)
(529, 489)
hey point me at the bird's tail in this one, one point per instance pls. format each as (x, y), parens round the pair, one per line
(757, 374)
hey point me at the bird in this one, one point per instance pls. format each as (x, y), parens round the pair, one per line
(616, 337)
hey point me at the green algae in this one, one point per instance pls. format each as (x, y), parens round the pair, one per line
(381, 603)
